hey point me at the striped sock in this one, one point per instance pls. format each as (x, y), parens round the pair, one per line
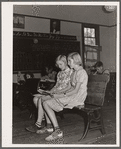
(57, 129)
(49, 125)
(38, 124)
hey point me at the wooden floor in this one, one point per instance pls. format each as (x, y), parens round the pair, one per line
(72, 126)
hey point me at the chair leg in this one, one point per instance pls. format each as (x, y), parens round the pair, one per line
(102, 127)
(87, 125)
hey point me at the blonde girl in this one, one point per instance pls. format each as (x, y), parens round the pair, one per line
(62, 85)
(74, 96)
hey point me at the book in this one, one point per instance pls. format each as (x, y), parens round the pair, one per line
(43, 92)
(37, 95)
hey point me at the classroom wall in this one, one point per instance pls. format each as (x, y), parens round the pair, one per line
(113, 51)
(87, 14)
(79, 14)
(108, 43)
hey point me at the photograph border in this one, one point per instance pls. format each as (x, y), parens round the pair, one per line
(7, 10)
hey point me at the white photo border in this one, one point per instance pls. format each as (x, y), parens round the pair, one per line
(7, 77)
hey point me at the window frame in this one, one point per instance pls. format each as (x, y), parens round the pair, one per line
(97, 38)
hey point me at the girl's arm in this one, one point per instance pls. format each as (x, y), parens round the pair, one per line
(64, 89)
(70, 92)
(64, 85)
(80, 78)
(56, 85)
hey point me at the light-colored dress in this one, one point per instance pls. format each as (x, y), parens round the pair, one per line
(63, 79)
(75, 99)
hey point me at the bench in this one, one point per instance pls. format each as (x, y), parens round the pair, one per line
(92, 110)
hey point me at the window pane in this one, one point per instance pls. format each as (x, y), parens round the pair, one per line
(85, 32)
(92, 40)
(85, 41)
(92, 32)
(89, 32)
(88, 41)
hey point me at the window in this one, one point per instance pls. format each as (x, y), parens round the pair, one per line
(89, 36)
(91, 45)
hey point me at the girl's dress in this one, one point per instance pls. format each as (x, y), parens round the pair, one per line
(75, 99)
(63, 79)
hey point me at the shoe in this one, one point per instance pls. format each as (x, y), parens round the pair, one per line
(45, 130)
(33, 128)
(57, 134)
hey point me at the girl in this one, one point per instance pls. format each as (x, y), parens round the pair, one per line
(75, 96)
(62, 85)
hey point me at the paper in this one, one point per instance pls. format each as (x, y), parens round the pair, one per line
(37, 95)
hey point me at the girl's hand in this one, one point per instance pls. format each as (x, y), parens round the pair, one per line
(58, 95)
(44, 98)
(52, 92)
(40, 91)
(48, 91)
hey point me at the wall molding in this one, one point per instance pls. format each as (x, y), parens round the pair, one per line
(66, 20)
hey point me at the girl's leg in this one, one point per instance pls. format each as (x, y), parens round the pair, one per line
(37, 126)
(57, 132)
(51, 114)
(35, 100)
(41, 113)
(49, 127)
(47, 118)
(38, 103)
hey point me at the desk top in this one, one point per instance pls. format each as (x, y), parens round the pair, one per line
(47, 80)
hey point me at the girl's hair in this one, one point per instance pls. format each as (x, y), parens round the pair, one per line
(98, 64)
(61, 58)
(76, 57)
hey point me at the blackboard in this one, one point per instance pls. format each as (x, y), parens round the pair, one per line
(33, 53)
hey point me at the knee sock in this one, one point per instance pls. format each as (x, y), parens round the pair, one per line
(49, 125)
(38, 124)
(57, 129)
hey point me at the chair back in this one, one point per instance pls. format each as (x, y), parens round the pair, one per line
(96, 89)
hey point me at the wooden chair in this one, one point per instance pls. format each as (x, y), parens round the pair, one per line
(92, 111)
